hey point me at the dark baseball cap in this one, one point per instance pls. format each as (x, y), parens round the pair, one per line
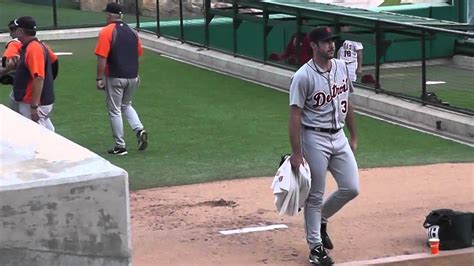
(322, 34)
(113, 8)
(25, 23)
(11, 25)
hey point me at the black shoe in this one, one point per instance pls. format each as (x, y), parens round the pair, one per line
(327, 243)
(142, 137)
(118, 151)
(319, 256)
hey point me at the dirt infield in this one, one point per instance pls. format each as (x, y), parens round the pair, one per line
(180, 225)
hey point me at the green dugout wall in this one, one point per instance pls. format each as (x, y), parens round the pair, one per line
(250, 34)
(250, 40)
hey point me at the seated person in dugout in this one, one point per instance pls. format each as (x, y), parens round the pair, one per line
(290, 55)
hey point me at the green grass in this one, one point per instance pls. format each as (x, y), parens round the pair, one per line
(43, 14)
(457, 89)
(205, 126)
(391, 3)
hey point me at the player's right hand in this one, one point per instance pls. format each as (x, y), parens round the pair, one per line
(100, 85)
(13, 61)
(34, 114)
(296, 160)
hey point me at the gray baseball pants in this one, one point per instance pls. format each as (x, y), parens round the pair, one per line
(119, 94)
(12, 103)
(325, 151)
(44, 112)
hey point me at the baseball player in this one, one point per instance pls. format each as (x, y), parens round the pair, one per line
(319, 107)
(117, 50)
(33, 86)
(9, 60)
(351, 53)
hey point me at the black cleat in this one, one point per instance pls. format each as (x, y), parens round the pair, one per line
(142, 137)
(327, 243)
(319, 256)
(118, 151)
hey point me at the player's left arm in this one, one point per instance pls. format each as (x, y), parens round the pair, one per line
(35, 62)
(350, 116)
(36, 90)
(350, 122)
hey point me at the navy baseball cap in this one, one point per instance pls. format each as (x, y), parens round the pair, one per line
(322, 34)
(11, 25)
(25, 23)
(113, 8)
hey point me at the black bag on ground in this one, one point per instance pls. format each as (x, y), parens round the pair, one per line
(454, 229)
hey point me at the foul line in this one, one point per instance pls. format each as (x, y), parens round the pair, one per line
(431, 82)
(253, 229)
(63, 53)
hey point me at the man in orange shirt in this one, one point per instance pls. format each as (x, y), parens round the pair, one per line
(9, 60)
(34, 79)
(117, 50)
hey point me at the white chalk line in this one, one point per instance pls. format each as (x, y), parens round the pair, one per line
(63, 53)
(432, 82)
(253, 229)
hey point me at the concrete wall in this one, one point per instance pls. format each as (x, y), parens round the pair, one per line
(60, 204)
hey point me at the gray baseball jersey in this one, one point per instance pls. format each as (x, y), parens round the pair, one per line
(323, 96)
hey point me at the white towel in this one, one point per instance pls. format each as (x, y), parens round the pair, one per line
(291, 191)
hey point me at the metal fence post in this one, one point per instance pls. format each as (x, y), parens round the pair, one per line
(299, 24)
(137, 14)
(423, 68)
(55, 13)
(235, 25)
(158, 30)
(266, 30)
(207, 18)
(378, 56)
(181, 27)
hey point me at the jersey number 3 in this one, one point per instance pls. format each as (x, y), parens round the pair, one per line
(344, 107)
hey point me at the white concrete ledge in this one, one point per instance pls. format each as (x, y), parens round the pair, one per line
(60, 204)
(460, 257)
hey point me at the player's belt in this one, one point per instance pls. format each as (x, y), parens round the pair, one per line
(325, 130)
